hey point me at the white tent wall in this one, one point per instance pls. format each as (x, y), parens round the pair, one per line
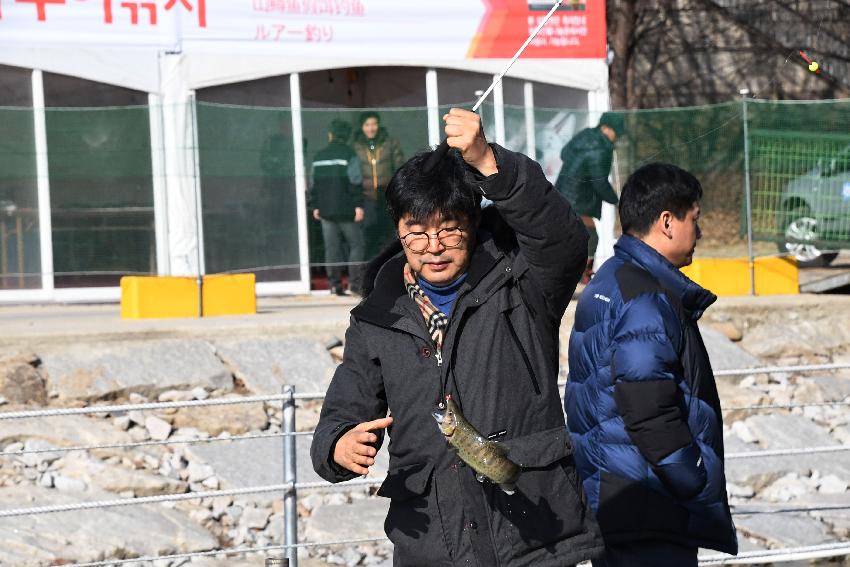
(134, 68)
(172, 78)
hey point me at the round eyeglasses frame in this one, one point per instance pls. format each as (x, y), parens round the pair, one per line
(449, 241)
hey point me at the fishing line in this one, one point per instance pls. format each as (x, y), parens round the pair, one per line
(510, 64)
(440, 151)
(736, 116)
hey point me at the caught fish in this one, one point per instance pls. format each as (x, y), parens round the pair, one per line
(485, 457)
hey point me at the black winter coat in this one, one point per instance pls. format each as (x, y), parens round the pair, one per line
(335, 182)
(583, 178)
(500, 362)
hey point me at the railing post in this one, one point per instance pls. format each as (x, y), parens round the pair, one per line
(290, 511)
(748, 193)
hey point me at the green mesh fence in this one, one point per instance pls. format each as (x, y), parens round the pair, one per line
(101, 181)
(553, 128)
(247, 181)
(800, 175)
(708, 141)
(20, 260)
(403, 133)
(101, 195)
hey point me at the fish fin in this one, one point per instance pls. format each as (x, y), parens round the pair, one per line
(480, 477)
(508, 488)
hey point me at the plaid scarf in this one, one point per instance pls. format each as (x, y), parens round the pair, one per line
(436, 320)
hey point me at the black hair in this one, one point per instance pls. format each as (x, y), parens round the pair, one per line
(340, 130)
(364, 116)
(443, 190)
(653, 189)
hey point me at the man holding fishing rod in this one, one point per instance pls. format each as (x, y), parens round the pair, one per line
(466, 310)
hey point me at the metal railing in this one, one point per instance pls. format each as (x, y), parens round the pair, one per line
(290, 487)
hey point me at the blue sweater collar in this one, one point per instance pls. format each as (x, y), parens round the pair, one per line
(695, 299)
(442, 296)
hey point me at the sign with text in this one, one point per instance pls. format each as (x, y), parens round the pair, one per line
(432, 29)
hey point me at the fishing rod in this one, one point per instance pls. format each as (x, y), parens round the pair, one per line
(510, 64)
(441, 150)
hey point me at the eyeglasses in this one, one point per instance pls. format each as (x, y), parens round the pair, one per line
(418, 242)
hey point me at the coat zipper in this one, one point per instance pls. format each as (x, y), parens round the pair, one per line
(373, 158)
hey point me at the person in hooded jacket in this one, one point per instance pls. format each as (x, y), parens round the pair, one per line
(641, 400)
(380, 155)
(583, 178)
(467, 304)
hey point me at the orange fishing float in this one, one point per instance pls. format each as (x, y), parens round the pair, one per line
(813, 65)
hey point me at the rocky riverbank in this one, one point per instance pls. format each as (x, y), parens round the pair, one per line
(739, 333)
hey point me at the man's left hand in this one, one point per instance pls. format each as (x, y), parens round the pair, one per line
(464, 132)
(359, 213)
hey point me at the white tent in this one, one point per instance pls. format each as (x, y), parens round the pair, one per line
(172, 48)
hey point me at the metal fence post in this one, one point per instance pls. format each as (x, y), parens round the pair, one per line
(290, 512)
(748, 193)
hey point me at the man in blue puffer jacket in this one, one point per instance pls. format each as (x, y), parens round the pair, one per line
(641, 400)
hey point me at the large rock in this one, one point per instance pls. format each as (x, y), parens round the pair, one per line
(118, 479)
(787, 431)
(799, 337)
(20, 380)
(236, 419)
(733, 395)
(838, 520)
(782, 431)
(264, 365)
(92, 535)
(830, 388)
(259, 462)
(61, 431)
(723, 353)
(107, 370)
(783, 529)
(362, 518)
(756, 473)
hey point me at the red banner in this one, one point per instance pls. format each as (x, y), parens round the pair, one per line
(576, 30)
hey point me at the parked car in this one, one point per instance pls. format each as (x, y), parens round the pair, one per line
(815, 212)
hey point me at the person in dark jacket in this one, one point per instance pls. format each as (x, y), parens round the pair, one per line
(494, 291)
(583, 178)
(337, 201)
(380, 155)
(641, 400)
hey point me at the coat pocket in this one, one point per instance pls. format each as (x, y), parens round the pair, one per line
(413, 520)
(548, 505)
(405, 482)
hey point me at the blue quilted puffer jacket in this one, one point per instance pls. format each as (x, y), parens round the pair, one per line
(642, 405)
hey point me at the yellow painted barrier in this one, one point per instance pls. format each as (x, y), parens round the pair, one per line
(152, 297)
(774, 275)
(232, 294)
(161, 297)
